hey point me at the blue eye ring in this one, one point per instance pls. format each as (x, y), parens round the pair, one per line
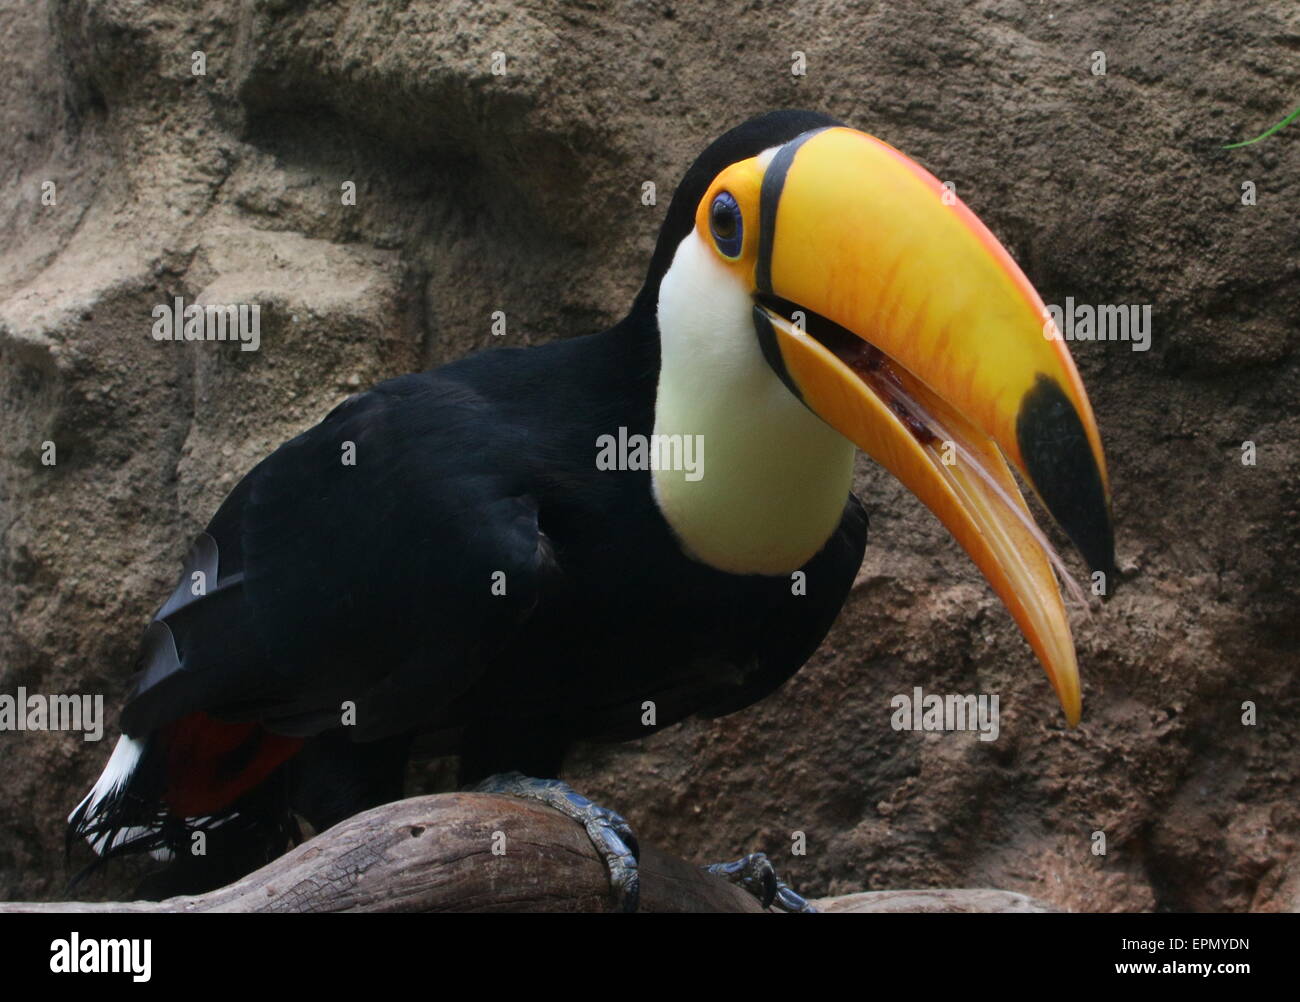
(726, 224)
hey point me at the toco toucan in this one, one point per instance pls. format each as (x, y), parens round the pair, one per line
(529, 546)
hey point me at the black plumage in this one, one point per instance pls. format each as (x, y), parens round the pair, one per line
(370, 585)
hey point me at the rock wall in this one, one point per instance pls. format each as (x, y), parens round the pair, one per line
(521, 192)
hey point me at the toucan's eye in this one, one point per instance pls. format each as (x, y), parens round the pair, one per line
(725, 222)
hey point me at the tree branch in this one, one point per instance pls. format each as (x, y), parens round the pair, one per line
(435, 853)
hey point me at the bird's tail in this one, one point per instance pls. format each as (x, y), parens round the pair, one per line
(201, 793)
(121, 813)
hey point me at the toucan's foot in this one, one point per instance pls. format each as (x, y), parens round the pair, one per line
(609, 832)
(755, 874)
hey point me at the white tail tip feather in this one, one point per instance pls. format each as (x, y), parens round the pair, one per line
(121, 764)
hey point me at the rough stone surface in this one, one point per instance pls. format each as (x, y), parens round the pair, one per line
(979, 900)
(478, 192)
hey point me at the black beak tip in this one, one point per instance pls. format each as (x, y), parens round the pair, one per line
(1060, 463)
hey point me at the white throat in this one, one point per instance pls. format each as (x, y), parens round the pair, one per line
(774, 478)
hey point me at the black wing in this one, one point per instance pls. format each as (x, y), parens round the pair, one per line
(377, 559)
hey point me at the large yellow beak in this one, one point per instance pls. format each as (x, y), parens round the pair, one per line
(899, 319)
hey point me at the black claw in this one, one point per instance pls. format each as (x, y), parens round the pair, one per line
(630, 840)
(609, 832)
(770, 885)
(756, 874)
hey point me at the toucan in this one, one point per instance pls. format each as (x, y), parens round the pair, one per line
(529, 547)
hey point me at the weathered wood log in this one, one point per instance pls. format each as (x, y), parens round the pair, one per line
(436, 854)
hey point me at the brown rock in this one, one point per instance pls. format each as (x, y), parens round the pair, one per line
(521, 193)
(938, 901)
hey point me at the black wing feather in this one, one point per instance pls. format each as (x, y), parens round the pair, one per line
(368, 582)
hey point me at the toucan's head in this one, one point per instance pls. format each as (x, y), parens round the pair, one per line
(892, 313)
